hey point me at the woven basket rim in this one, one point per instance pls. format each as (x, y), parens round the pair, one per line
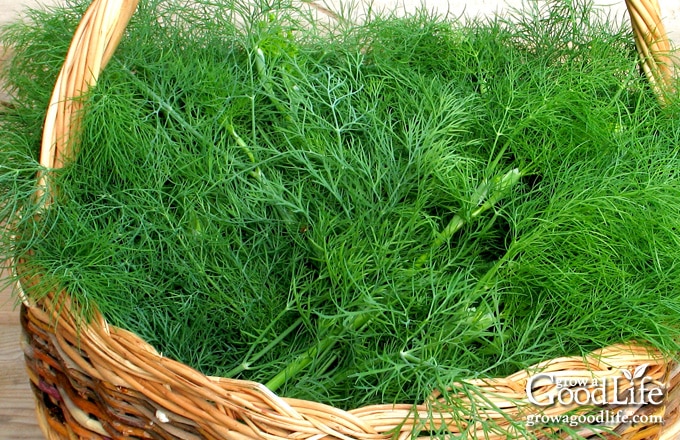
(181, 391)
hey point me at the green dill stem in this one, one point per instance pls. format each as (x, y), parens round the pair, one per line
(501, 185)
(169, 109)
(251, 359)
(261, 67)
(256, 173)
(300, 363)
(485, 281)
(262, 70)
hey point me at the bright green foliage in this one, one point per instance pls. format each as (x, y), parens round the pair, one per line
(355, 213)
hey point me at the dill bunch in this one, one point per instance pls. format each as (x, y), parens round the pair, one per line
(354, 213)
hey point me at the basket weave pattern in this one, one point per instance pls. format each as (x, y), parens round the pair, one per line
(96, 381)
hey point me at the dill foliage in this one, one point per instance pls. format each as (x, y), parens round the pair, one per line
(354, 213)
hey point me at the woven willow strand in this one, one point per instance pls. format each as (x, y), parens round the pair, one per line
(653, 45)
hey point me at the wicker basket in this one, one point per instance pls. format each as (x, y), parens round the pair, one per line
(96, 381)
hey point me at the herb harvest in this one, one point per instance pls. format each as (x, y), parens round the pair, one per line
(354, 213)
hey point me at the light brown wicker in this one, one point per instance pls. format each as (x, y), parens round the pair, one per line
(97, 381)
(652, 44)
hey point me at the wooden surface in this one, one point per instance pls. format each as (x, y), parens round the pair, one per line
(17, 418)
(17, 408)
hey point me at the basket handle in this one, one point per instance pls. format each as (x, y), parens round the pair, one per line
(96, 38)
(653, 45)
